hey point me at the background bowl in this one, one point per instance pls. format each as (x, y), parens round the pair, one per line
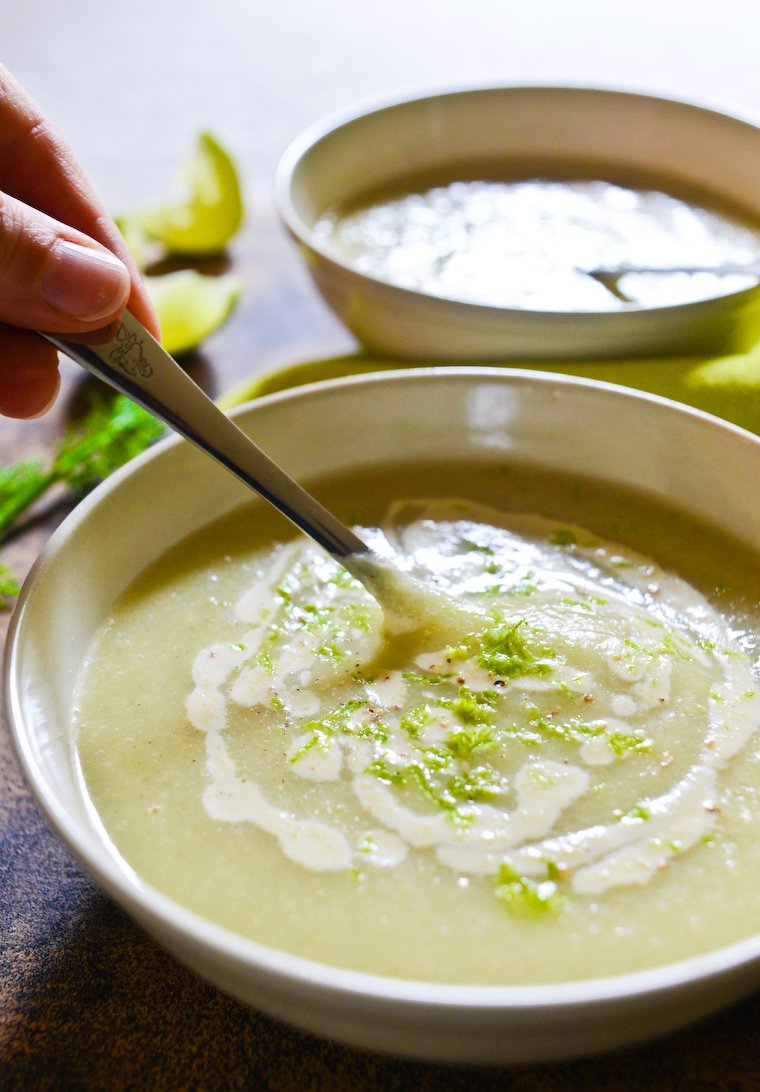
(707, 467)
(610, 133)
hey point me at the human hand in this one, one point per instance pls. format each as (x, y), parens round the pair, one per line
(64, 267)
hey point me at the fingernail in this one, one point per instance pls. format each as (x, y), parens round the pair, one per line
(84, 283)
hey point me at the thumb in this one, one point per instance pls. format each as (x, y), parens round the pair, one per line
(53, 277)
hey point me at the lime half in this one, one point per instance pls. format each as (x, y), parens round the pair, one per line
(211, 214)
(190, 306)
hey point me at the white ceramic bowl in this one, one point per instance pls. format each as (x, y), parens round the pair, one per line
(698, 462)
(616, 133)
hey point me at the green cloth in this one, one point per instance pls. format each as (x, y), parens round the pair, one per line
(728, 387)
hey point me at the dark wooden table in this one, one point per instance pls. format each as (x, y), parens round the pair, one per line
(86, 1000)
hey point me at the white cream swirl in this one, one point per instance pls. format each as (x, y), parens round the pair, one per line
(579, 737)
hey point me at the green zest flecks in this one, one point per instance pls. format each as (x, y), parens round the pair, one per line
(463, 742)
(429, 776)
(577, 731)
(503, 650)
(343, 722)
(563, 537)
(522, 895)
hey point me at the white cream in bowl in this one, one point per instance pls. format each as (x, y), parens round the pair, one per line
(440, 228)
(534, 243)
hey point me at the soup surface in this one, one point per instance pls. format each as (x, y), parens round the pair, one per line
(569, 790)
(527, 243)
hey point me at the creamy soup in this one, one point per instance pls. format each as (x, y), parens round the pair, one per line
(569, 790)
(527, 243)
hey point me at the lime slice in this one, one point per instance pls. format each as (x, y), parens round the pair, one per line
(212, 213)
(190, 306)
(313, 371)
(728, 387)
(137, 241)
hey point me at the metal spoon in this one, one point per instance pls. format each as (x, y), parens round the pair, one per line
(610, 278)
(134, 363)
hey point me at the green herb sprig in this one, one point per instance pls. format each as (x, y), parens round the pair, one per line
(9, 587)
(113, 430)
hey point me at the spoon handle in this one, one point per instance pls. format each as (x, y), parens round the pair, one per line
(725, 269)
(134, 363)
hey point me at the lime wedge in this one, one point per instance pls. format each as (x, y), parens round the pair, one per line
(727, 387)
(313, 371)
(190, 306)
(213, 211)
(137, 241)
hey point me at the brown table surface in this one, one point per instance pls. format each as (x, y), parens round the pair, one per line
(86, 1000)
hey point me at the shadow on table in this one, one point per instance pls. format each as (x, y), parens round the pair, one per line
(112, 1011)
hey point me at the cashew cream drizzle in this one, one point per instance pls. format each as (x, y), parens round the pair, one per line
(491, 753)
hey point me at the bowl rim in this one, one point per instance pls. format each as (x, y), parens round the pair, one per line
(323, 128)
(146, 903)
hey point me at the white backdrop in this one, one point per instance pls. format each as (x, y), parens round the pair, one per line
(95, 65)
